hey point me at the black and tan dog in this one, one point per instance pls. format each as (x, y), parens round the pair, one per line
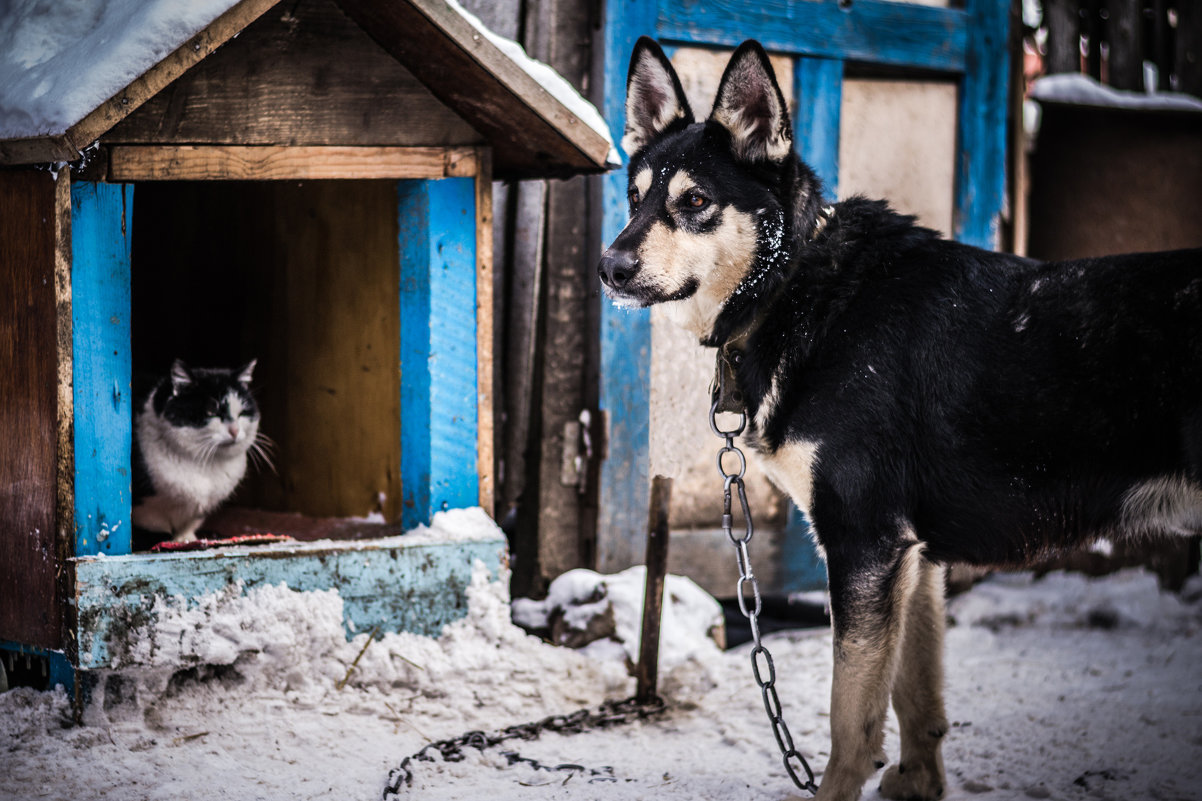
(923, 401)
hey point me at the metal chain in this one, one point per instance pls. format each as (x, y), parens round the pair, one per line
(790, 755)
(609, 714)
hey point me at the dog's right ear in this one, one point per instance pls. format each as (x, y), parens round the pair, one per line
(654, 97)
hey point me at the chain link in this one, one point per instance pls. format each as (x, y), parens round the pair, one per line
(733, 484)
(609, 714)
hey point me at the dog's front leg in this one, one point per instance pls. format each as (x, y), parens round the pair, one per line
(868, 599)
(918, 694)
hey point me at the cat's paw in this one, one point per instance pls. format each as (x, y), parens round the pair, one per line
(185, 536)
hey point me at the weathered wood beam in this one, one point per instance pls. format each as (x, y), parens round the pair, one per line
(895, 34)
(237, 162)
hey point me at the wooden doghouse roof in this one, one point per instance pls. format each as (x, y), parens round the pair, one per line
(317, 73)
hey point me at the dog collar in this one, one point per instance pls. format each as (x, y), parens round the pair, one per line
(725, 387)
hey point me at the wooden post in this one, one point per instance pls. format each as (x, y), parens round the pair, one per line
(439, 391)
(653, 592)
(101, 227)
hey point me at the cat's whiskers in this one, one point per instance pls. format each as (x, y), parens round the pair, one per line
(262, 452)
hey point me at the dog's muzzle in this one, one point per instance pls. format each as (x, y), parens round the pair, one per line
(617, 268)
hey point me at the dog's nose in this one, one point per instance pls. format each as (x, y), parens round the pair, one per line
(617, 267)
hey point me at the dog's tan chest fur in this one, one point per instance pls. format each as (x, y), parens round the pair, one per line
(791, 468)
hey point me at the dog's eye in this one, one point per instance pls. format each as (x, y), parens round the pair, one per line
(633, 197)
(696, 201)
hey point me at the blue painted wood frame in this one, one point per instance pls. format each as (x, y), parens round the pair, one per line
(59, 669)
(401, 583)
(817, 96)
(871, 31)
(101, 228)
(439, 423)
(968, 44)
(625, 392)
(981, 142)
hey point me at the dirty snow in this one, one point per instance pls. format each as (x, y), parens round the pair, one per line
(1082, 90)
(582, 597)
(1062, 687)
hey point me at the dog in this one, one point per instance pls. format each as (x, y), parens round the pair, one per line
(922, 401)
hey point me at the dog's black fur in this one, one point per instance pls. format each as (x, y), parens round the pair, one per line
(923, 401)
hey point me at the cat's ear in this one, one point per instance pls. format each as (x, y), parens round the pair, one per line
(752, 108)
(654, 97)
(180, 377)
(247, 371)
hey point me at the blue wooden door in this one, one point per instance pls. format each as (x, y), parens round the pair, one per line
(968, 45)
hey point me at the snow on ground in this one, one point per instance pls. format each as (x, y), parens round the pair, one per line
(1062, 687)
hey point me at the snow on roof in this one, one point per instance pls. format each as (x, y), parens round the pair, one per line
(555, 84)
(1082, 90)
(59, 61)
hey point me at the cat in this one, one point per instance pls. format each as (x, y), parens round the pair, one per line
(193, 432)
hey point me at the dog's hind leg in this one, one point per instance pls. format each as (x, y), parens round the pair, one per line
(918, 694)
(867, 606)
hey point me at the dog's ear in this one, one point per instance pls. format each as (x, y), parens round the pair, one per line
(750, 105)
(654, 97)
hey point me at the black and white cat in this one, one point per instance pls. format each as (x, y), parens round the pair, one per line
(193, 431)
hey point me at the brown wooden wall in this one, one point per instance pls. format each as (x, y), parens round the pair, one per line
(304, 277)
(302, 74)
(32, 229)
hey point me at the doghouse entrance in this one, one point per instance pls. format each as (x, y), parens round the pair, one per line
(305, 278)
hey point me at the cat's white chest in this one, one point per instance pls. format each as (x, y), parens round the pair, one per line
(188, 484)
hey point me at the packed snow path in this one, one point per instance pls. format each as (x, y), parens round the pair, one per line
(1062, 687)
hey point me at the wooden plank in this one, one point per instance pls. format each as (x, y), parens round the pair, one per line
(647, 672)
(533, 133)
(232, 162)
(522, 304)
(486, 436)
(127, 604)
(307, 75)
(437, 232)
(818, 96)
(101, 230)
(1064, 36)
(1125, 35)
(625, 393)
(64, 506)
(873, 31)
(554, 33)
(30, 605)
(1188, 68)
(981, 160)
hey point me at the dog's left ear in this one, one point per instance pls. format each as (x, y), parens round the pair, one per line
(750, 105)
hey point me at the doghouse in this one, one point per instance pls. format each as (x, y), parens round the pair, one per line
(307, 183)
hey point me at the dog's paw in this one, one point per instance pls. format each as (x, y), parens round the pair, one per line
(912, 782)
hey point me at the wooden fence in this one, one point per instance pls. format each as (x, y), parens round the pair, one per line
(1127, 44)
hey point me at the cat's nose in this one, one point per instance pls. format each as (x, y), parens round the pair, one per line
(234, 430)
